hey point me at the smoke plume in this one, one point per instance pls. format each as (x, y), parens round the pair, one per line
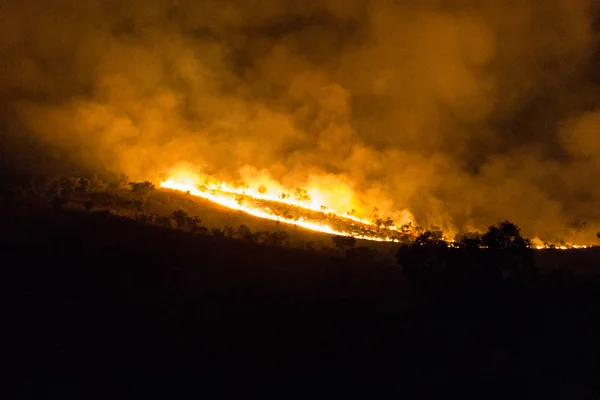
(463, 112)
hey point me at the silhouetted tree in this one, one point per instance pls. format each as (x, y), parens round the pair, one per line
(388, 223)
(277, 238)
(508, 251)
(405, 234)
(244, 233)
(180, 217)
(301, 194)
(262, 189)
(425, 260)
(505, 236)
(142, 190)
(257, 237)
(434, 237)
(216, 232)
(468, 241)
(193, 222)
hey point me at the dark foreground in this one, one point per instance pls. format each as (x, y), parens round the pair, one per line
(101, 308)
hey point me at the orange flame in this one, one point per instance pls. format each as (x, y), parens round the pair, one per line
(221, 193)
(225, 194)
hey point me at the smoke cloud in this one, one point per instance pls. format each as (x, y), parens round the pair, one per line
(462, 112)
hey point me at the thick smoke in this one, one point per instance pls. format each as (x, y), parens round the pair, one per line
(464, 112)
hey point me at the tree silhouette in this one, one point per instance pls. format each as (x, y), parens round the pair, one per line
(142, 190)
(180, 217)
(277, 238)
(216, 232)
(388, 223)
(405, 235)
(505, 236)
(244, 233)
(508, 251)
(424, 261)
(468, 241)
(301, 194)
(262, 189)
(434, 238)
(193, 222)
(257, 237)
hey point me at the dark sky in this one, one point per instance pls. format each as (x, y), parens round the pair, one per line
(464, 112)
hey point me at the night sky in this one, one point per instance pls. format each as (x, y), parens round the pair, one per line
(464, 112)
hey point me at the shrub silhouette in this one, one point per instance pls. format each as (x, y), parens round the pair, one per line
(180, 218)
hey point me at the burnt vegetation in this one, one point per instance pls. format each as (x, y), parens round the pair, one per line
(135, 281)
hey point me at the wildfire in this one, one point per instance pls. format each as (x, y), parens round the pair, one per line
(562, 247)
(228, 196)
(259, 202)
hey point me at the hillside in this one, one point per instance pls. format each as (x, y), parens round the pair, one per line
(99, 304)
(163, 202)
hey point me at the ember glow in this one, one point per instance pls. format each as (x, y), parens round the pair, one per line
(245, 200)
(261, 200)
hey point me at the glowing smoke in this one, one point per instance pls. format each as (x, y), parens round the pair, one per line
(463, 114)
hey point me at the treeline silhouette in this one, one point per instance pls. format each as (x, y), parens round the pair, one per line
(99, 303)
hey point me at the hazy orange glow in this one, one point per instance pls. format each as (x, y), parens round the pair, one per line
(224, 193)
(227, 195)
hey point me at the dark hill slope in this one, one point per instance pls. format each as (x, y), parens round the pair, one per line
(99, 308)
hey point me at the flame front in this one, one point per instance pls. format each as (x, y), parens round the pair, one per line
(221, 193)
(228, 195)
